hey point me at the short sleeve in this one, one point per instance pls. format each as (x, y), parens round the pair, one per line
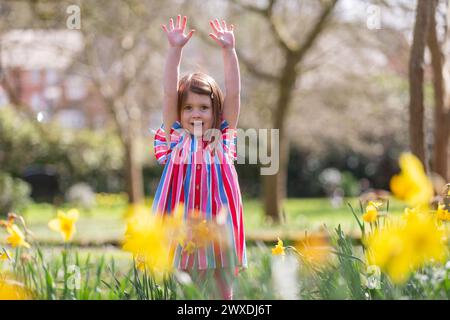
(161, 148)
(229, 140)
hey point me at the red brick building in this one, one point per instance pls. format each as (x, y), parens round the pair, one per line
(36, 65)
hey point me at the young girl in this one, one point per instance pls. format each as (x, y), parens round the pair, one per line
(197, 176)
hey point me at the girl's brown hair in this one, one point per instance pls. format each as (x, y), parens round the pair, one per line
(201, 83)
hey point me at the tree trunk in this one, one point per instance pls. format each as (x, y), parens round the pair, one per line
(441, 99)
(133, 165)
(275, 186)
(133, 170)
(416, 73)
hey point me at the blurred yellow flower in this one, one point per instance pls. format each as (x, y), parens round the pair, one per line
(139, 261)
(136, 209)
(442, 214)
(16, 238)
(148, 239)
(12, 290)
(279, 249)
(5, 255)
(376, 203)
(7, 223)
(65, 223)
(314, 249)
(176, 225)
(371, 214)
(405, 245)
(189, 247)
(412, 184)
(410, 213)
(202, 233)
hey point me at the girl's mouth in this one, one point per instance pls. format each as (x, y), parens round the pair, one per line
(197, 124)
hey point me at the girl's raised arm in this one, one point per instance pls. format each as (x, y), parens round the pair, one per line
(177, 39)
(224, 36)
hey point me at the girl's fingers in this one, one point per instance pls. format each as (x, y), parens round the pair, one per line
(224, 25)
(171, 24)
(183, 24)
(178, 22)
(214, 37)
(164, 28)
(213, 26)
(231, 27)
(190, 34)
(217, 24)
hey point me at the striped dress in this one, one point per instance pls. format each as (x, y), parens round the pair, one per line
(202, 178)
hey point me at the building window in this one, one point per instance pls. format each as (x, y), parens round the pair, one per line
(75, 88)
(35, 76)
(71, 118)
(51, 77)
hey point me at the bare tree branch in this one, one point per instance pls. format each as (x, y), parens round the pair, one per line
(253, 69)
(320, 24)
(249, 65)
(267, 13)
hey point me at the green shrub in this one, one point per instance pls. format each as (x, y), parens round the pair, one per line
(95, 157)
(14, 194)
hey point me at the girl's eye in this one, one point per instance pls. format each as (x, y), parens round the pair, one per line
(187, 108)
(204, 108)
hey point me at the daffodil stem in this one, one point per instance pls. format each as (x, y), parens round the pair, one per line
(347, 256)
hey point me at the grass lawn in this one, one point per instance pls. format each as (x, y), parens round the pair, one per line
(105, 223)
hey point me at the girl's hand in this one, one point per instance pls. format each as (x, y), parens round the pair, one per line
(223, 34)
(176, 35)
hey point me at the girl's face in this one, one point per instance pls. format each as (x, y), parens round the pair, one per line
(197, 113)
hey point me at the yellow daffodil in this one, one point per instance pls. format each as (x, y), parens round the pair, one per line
(65, 224)
(412, 184)
(442, 214)
(5, 223)
(279, 249)
(12, 290)
(9, 222)
(16, 238)
(426, 238)
(5, 255)
(189, 247)
(315, 249)
(405, 245)
(410, 213)
(148, 238)
(371, 214)
(376, 203)
(176, 225)
(136, 209)
(140, 262)
(202, 233)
